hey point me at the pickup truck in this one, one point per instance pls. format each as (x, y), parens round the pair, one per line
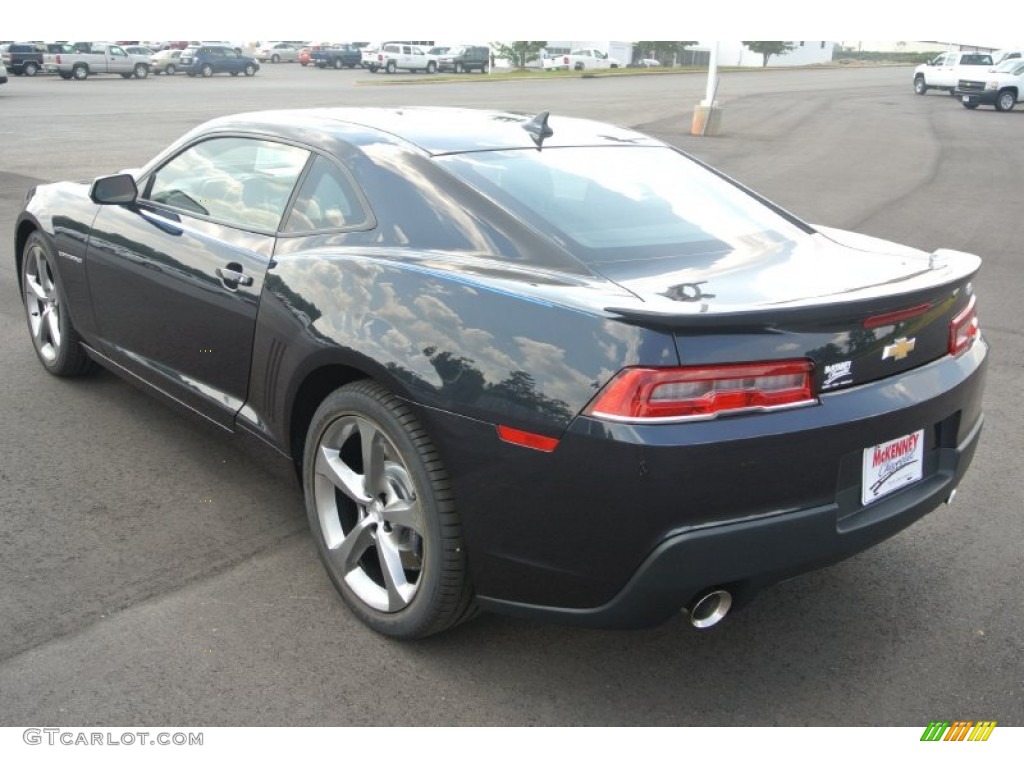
(582, 58)
(1002, 87)
(336, 57)
(944, 70)
(102, 58)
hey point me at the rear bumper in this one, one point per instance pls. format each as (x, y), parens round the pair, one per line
(744, 556)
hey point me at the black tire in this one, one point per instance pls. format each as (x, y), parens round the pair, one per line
(58, 345)
(920, 87)
(207, 70)
(170, 69)
(1006, 100)
(30, 69)
(250, 70)
(141, 71)
(458, 68)
(391, 68)
(80, 71)
(971, 105)
(275, 59)
(337, 64)
(405, 579)
(431, 67)
(373, 68)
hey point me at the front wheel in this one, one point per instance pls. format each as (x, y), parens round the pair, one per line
(56, 342)
(275, 59)
(169, 69)
(141, 71)
(337, 64)
(431, 67)
(250, 70)
(207, 70)
(1006, 100)
(382, 513)
(920, 87)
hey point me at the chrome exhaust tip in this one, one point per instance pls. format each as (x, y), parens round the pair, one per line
(709, 608)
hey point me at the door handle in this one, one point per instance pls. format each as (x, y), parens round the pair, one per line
(233, 277)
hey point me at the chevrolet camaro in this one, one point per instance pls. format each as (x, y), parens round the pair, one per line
(521, 363)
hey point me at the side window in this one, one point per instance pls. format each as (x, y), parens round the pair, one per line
(117, 51)
(326, 200)
(406, 49)
(241, 182)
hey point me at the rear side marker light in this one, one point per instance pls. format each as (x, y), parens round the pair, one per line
(963, 329)
(702, 392)
(527, 439)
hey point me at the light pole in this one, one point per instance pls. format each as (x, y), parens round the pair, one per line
(707, 116)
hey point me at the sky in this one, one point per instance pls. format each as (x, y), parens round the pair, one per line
(488, 20)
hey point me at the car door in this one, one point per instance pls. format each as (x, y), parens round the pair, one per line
(176, 278)
(118, 60)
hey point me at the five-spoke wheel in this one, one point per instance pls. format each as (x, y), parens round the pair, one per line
(380, 507)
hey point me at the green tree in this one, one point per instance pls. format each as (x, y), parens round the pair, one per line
(518, 52)
(665, 51)
(768, 48)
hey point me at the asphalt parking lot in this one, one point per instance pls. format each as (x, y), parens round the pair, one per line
(152, 573)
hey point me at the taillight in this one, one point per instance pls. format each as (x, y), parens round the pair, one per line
(702, 392)
(565, 60)
(963, 330)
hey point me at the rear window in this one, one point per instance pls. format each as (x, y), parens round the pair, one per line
(190, 51)
(976, 59)
(623, 204)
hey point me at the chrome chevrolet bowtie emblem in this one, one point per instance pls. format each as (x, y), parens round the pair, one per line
(898, 349)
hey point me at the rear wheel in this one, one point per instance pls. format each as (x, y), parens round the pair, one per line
(431, 67)
(1006, 100)
(275, 59)
(337, 64)
(458, 67)
(30, 68)
(80, 72)
(170, 69)
(382, 513)
(391, 68)
(920, 87)
(56, 342)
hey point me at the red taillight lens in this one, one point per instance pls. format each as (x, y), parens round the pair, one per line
(963, 330)
(640, 394)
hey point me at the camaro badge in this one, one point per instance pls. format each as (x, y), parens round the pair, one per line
(898, 349)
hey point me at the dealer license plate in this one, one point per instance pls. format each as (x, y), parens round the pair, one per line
(892, 465)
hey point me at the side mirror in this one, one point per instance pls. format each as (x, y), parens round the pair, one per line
(119, 189)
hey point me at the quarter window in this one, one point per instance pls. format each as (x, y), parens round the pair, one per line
(242, 182)
(326, 200)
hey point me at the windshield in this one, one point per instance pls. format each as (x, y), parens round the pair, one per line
(622, 204)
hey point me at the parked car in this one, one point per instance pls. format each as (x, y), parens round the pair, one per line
(210, 60)
(277, 52)
(166, 61)
(22, 58)
(944, 70)
(597, 383)
(140, 50)
(368, 57)
(3, 73)
(1002, 87)
(395, 56)
(86, 59)
(337, 56)
(465, 58)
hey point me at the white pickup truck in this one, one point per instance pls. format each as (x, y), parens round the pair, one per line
(1001, 87)
(102, 58)
(582, 58)
(944, 70)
